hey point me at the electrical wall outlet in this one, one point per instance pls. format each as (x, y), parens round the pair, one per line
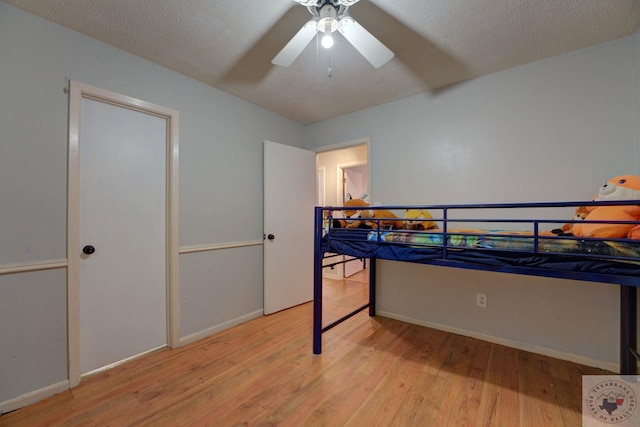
(481, 300)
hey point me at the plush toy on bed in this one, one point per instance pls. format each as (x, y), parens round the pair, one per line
(580, 213)
(365, 218)
(352, 217)
(418, 219)
(624, 187)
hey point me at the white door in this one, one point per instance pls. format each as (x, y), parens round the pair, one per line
(122, 215)
(289, 196)
(355, 184)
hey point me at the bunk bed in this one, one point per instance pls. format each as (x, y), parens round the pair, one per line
(491, 237)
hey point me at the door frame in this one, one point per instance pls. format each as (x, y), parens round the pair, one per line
(78, 91)
(338, 269)
(348, 144)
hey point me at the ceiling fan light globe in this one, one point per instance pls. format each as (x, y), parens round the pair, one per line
(327, 41)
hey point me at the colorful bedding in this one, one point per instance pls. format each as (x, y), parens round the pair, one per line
(512, 241)
(493, 250)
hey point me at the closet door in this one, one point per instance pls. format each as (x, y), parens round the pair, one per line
(122, 272)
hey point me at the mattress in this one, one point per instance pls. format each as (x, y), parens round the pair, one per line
(491, 249)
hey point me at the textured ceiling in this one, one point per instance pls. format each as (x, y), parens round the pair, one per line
(229, 44)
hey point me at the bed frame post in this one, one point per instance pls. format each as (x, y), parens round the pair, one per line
(317, 282)
(628, 330)
(372, 287)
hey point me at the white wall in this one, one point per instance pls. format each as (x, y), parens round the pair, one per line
(221, 141)
(548, 131)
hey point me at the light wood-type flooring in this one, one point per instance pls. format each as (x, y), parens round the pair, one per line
(372, 372)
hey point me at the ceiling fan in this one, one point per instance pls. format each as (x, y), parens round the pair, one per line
(329, 16)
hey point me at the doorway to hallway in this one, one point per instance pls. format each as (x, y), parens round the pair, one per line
(341, 169)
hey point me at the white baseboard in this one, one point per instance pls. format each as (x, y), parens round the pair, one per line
(33, 397)
(219, 328)
(571, 357)
(122, 362)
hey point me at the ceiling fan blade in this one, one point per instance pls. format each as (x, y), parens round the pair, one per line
(296, 45)
(364, 42)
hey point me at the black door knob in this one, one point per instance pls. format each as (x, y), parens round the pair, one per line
(270, 236)
(88, 250)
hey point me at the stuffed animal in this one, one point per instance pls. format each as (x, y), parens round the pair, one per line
(366, 218)
(625, 187)
(580, 213)
(352, 216)
(418, 219)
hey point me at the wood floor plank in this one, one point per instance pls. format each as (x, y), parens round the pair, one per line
(332, 396)
(488, 410)
(383, 403)
(216, 389)
(423, 399)
(373, 372)
(473, 386)
(457, 367)
(231, 392)
(370, 364)
(312, 389)
(535, 380)
(510, 402)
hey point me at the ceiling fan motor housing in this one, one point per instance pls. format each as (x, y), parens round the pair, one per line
(328, 21)
(320, 3)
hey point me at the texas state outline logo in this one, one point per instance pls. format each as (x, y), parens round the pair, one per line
(610, 401)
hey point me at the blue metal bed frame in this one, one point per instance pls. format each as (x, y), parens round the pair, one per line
(628, 284)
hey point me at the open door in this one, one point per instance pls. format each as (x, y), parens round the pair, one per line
(289, 198)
